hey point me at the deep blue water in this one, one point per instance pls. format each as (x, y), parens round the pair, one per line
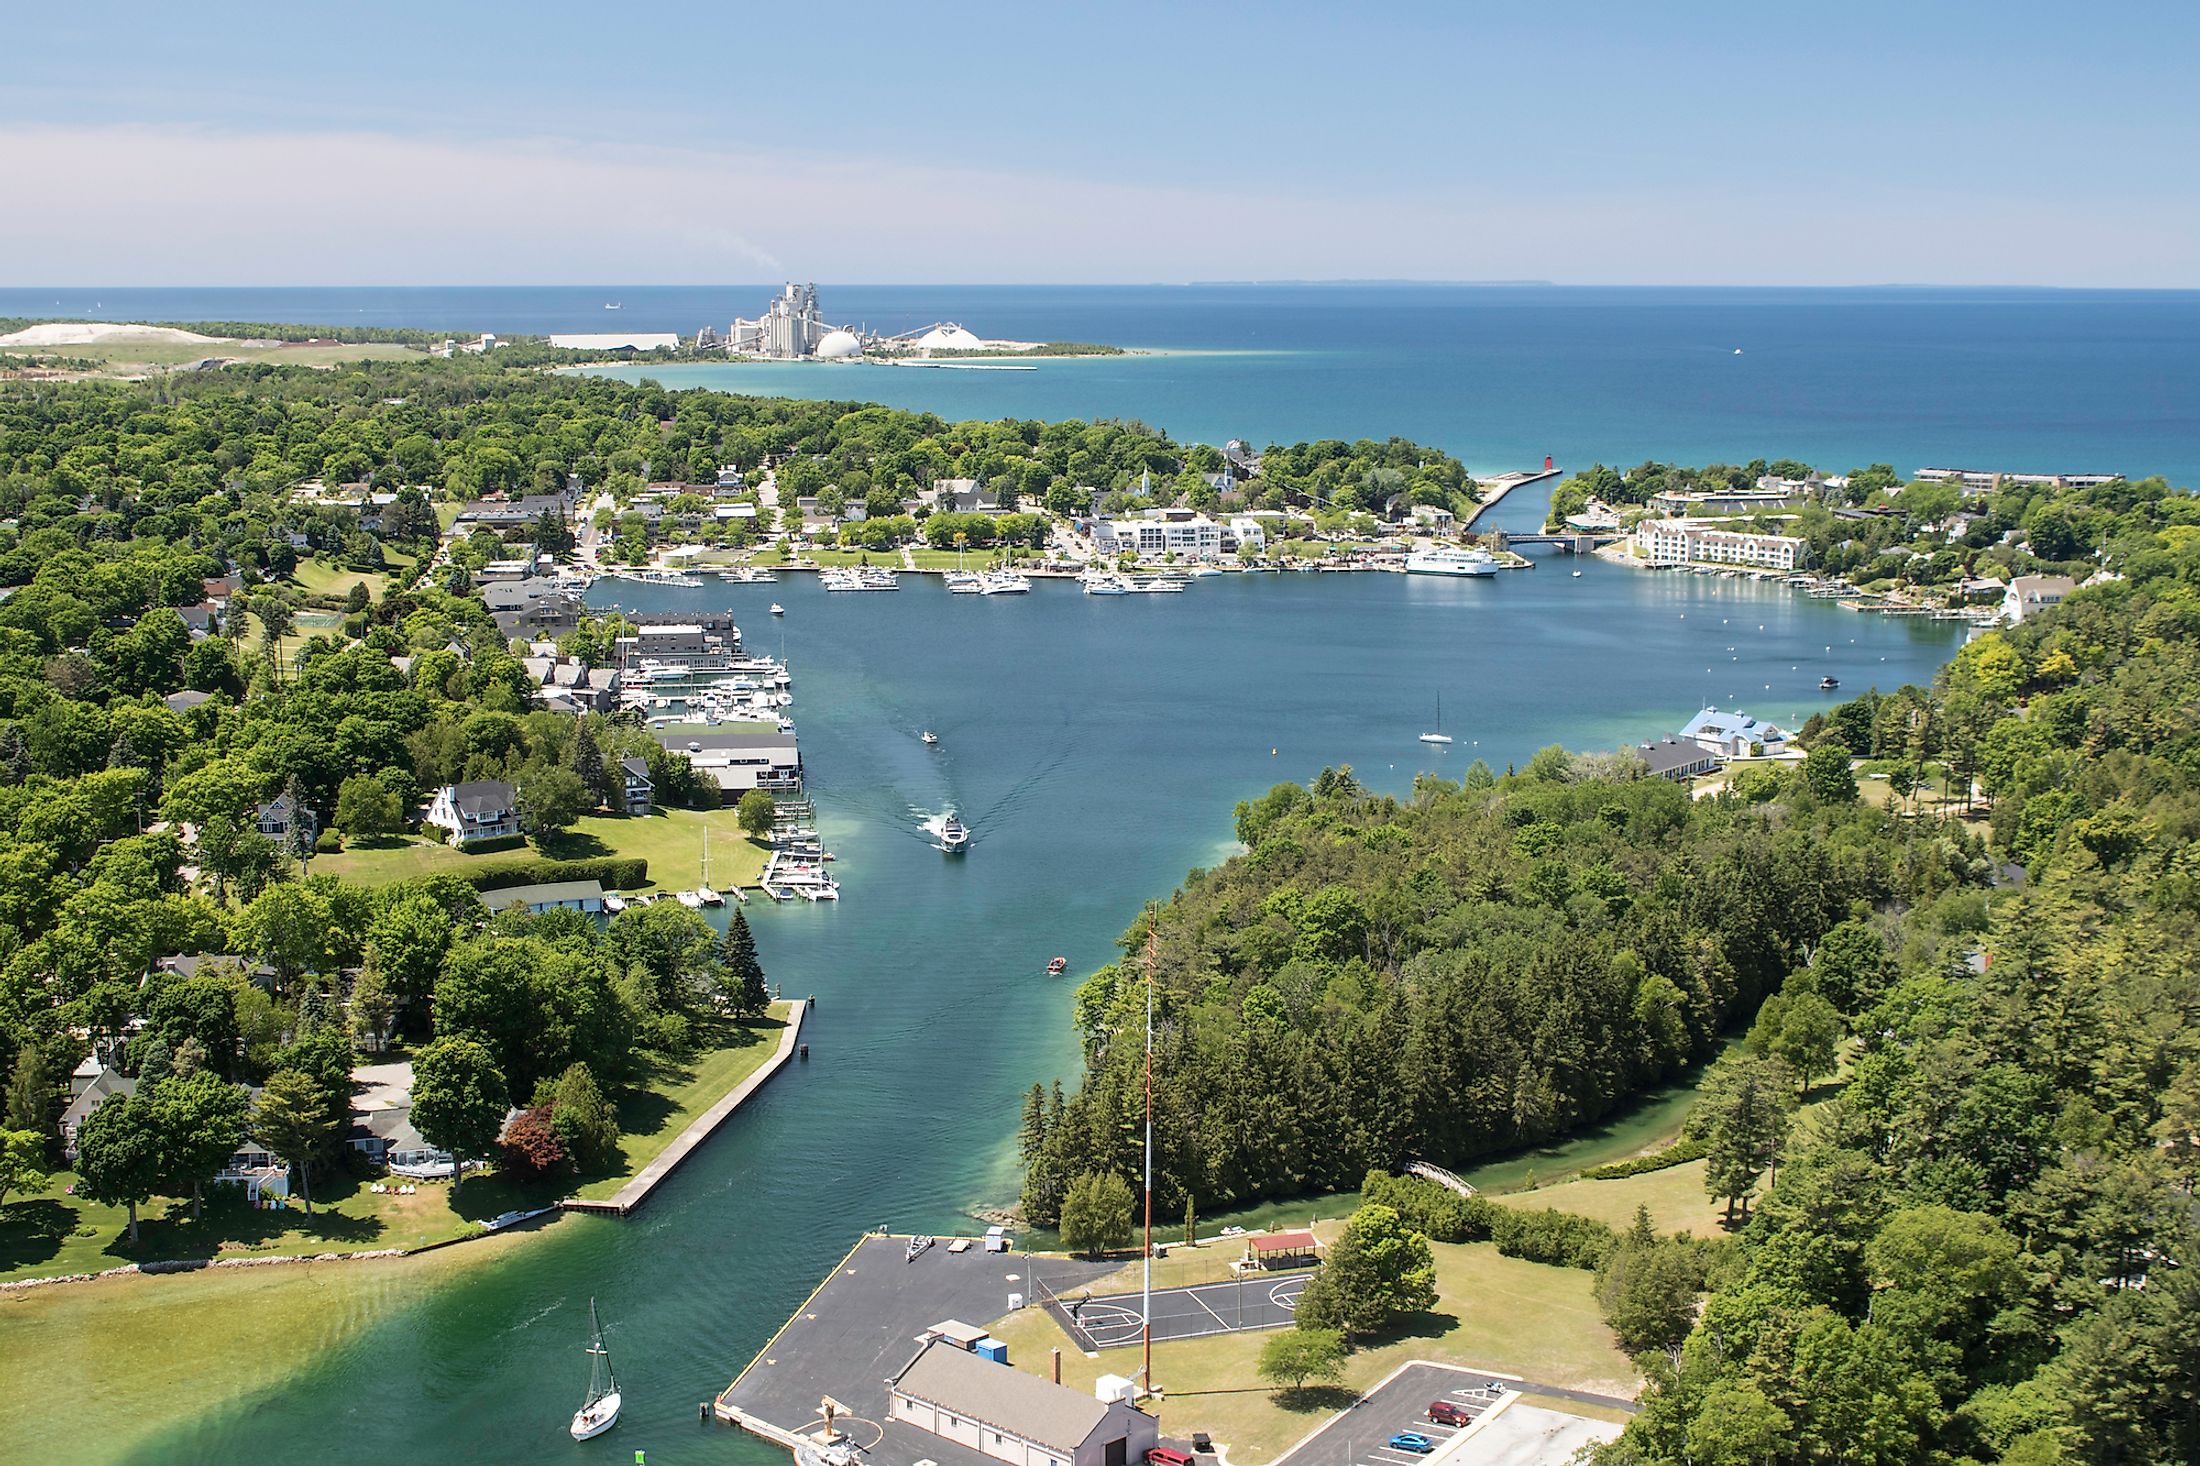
(2047, 380)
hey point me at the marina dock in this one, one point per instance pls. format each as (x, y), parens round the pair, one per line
(637, 1191)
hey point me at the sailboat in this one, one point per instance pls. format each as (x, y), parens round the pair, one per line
(708, 896)
(1439, 736)
(600, 1411)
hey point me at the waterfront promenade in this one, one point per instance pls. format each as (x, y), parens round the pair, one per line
(637, 1191)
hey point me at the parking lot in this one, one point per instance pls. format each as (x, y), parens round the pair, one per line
(1361, 1436)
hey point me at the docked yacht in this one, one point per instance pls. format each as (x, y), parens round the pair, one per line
(1449, 561)
(1104, 585)
(964, 582)
(1003, 583)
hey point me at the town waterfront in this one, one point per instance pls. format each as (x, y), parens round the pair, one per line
(1097, 746)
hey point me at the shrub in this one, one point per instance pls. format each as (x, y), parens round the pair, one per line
(1679, 1153)
(616, 872)
(328, 842)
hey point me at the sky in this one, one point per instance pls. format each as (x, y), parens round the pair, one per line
(470, 142)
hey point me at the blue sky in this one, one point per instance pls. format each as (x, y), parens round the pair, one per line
(1592, 143)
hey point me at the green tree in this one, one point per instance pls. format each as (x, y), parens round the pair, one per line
(1827, 775)
(1799, 1028)
(292, 1120)
(1647, 1289)
(550, 801)
(459, 1101)
(373, 1007)
(31, 1092)
(202, 1122)
(1735, 1425)
(366, 807)
(746, 990)
(583, 1120)
(22, 1162)
(408, 941)
(1295, 1356)
(756, 813)
(287, 926)
(1745, 1102)
(118, 1155)
(1379, 1271)
(584, 756)
(1096, 1213)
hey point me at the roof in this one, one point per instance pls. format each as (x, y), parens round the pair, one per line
(956, 1331)
(102, 1088)
(1730, 725)
(2028, 586)
(1002, 1398)
(1298, 1241)
(761, 735)
(393, 1125)
(483, 796)
(550, 893)
(187, 699)
(1667, 754)
(637, 768)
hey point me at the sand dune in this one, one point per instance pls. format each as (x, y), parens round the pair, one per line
(85, 333)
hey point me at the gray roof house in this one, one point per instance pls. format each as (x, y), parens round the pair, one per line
(1677, 759)
(481, 809)
(1015, 1417)
(551, 896)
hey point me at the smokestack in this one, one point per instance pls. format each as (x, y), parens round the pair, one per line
(1057, 1353)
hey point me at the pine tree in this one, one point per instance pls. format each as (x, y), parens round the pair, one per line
(312, 1011)
(1031, 1137)
(31, 1092)
(744, 973)
(15, 754)
(585, 758)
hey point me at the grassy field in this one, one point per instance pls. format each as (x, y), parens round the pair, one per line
(1674, 1195)
(128, 1355)
(323, 581)
(651, 1119)
(1492, 1313)
(670, 840)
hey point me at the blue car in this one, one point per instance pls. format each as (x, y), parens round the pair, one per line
(1412, 1440)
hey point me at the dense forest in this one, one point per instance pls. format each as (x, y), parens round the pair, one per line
(1982, 1248)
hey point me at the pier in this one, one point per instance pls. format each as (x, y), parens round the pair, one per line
(637, 1191)
(1504, 484)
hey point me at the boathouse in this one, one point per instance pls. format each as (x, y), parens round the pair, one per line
(1015, 1417)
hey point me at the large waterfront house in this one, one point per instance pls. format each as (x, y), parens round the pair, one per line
(640, 793)
(757, 756)
(1018, 1418)
(2028, 595)
(1733, 735)
(1710, 542)
(252, 1166)
(480, 809)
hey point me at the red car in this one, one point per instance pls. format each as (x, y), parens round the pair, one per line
(1444, 1412)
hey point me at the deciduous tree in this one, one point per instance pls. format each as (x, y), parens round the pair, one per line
(459, 1101)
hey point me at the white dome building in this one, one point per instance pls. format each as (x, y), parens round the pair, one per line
(839, 346)
(951, 337)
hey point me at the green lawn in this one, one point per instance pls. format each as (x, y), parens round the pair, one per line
(129, 1355)
(323, 581)
(1492, 1312)
(651, 1119)
(670, 840)
(1674, 1195)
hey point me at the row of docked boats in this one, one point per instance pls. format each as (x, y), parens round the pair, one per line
(1107, 583)
(987, 583)
(863, 577)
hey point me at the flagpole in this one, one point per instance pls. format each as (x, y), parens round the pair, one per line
(1145, 1327)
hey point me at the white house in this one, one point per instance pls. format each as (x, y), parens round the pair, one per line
(1246, 530)
(2028, 595)
(1733, 735)
(1195, 537)
(1014, 1417)
(481, 809)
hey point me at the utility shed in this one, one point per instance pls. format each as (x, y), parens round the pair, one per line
(1016, 1417)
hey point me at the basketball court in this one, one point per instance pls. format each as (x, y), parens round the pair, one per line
(1111, 1320)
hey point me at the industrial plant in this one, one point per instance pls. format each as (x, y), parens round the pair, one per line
(793, 328)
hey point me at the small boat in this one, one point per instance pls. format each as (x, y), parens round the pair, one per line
(929, 736)
(917, 1247)
(708, 896)
(600, 1410)
(1828, 684)
(954, 835)
(613, 902)
(1056, 966)
(691, 899)
(1439, 737)
(1577, 575)
(778, 610)
(611, 305)
(1105, 585)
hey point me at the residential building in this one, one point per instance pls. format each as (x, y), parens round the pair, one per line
(550, 896)
(2028, 595)
(1733, 735)
(184, 701)
(1014, 1417)
(388, 1138)
(482, 809)
(275, 818)
(1677, 759)
(1982, 481)
(640, 793)
(1160, 533)
(1244, 530)
(1730, 501)
(740, 759)
(1703, 542)
(91, 1091)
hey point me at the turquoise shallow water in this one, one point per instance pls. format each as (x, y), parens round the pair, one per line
(1097, 747)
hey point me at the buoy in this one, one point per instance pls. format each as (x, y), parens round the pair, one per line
(805, 1051)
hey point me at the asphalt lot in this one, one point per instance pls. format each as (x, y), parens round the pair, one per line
(1357, 1437)
(1111, 1320)
(861, 1328)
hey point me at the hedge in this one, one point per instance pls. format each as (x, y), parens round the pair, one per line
(1442, 1215)
(1679, 1153)
(616, 872)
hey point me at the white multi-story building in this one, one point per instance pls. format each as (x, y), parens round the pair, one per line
(1701, 542)
(1194, 538)
(1247, 530)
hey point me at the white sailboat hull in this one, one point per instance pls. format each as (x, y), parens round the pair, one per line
(1444, 738)
(591, 1421)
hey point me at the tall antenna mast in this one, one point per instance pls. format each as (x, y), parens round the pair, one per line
(1145, 1310)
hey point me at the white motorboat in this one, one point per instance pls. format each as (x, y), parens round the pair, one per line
(1105, 585)
(1003, 583)
(1449, 561)
(954, 835)
(600, 1409)
(1201, 572)
(778, 610)
(708, 896)
(1439, 737)
(929, 736)
(964, 582)
(693, 900)
(613, 902)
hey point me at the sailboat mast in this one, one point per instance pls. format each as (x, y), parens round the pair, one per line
(1145, 1309)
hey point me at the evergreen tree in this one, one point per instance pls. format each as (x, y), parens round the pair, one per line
(15, 756)
(582, 1119)
(155, 1061)
(373, 1006)
(744, 973)
(1746, 1104)
(31, 1092)
(292, 1120)
(584, 756)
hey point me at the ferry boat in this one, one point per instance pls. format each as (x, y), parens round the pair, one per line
(1448, 561)
(1154, 585)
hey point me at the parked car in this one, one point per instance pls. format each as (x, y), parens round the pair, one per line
(1412, 1440)
(1446, 1412)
